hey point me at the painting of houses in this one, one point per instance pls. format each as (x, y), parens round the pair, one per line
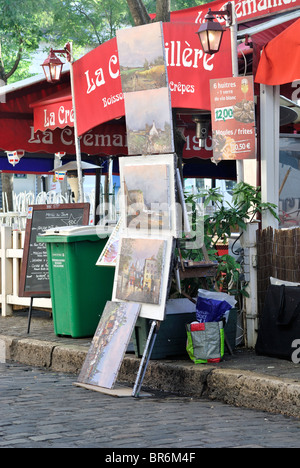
(148, 202)
(140, 270)
(147, 196)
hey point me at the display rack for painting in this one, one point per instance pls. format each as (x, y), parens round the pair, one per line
(145, 237)
(148, 179)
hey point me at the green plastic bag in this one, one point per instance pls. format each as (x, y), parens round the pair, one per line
(205, 342)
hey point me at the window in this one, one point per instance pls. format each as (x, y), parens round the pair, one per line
(289, 180)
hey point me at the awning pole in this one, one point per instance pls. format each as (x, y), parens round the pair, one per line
(77, 141)
(235, 73)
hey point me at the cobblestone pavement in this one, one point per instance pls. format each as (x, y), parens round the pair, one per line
(43, 409)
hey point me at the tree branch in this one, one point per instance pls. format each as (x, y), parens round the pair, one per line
(82, 12)
(138, 12)
(17, 61)
(163, 11)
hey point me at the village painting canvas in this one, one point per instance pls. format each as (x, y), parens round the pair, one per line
(139, 274)
(141, 58)
(109, 344)
(149, 122)
(147, 197)
(148, 194)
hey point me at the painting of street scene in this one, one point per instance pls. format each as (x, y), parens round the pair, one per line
(147, 196)
(149, 122)
(109, 344)
(140, 270)
(141, 58)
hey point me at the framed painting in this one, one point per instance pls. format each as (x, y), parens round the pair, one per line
(110, 342)
(148, 188)
(142, 273)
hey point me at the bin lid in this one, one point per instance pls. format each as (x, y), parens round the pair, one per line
(100, 231)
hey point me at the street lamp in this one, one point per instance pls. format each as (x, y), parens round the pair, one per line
(52, 67)
(211, 32)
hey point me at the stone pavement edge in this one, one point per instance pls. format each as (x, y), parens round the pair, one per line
(244, 379)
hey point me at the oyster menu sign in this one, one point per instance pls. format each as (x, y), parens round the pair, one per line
(233, 118)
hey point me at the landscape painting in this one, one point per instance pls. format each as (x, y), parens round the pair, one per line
(139, 274)
(147, 197)
(109, 344)
(149, 122)
(141, 58)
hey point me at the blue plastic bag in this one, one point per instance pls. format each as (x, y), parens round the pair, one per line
(212, 306)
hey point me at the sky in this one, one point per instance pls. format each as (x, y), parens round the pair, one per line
(137, 44)
(144, 107)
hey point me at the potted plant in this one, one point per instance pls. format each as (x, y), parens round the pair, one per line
(225, 217)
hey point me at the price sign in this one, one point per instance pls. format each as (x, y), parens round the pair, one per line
(223, 114)
(233, 118)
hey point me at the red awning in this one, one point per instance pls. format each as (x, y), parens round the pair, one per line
(98, 88)
(280, 60)
(55, 111)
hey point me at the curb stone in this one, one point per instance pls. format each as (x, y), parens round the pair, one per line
(235, 387)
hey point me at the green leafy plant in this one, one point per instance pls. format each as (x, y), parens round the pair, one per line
(224, 218)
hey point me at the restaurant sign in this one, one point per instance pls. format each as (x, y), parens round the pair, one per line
(53, 112)
(233, 118)
(246, 10)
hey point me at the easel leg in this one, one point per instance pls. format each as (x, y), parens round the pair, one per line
(146, 356)
(29, 315)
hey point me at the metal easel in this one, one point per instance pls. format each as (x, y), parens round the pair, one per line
(146, 357)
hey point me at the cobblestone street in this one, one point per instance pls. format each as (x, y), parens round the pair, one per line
(42, 409)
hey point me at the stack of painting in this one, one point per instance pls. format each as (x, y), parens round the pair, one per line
(148, 109)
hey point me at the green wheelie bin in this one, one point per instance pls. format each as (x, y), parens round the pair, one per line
(79, 289)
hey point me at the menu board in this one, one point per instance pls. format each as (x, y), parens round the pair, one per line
(34, 271)
(233, 118)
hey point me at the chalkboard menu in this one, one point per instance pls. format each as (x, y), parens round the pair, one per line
(34, 271)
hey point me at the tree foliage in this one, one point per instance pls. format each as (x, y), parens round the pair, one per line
(26, 24)
(20, 33)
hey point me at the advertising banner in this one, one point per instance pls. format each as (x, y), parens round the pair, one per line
(246, 10)
(233, 118)
(54, 112)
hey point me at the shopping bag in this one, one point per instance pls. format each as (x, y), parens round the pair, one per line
(212, 306)
(205, 342)
(279, 325)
